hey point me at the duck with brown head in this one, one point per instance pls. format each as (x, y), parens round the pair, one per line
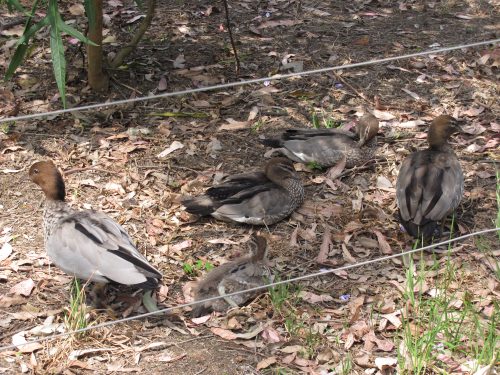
(88, 244)
(248, 271)
(326, 147)
(258, 198)
(430, 182)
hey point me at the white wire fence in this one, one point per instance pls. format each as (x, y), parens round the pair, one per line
(247, 82)
(270, 285)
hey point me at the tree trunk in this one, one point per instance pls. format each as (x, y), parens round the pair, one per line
(98, 80)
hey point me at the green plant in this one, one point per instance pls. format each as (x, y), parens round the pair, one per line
(76, 315)
(57, 27)
(282, 293)
(191, 269)
(445, 323)
(256, 126)
(314, 165)
(346, 365)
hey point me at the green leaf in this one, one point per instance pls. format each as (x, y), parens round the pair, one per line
(33, 30)
(75, 33)
(57, 50)
(11, 4)
(22, 42)
(90, 12)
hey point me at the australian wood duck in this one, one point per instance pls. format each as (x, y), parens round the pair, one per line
(88, 244)
(326, 147)
(245, 272)
(430, 182)
(258, 198)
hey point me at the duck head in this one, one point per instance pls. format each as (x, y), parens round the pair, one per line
(258, 247)
(367, 128)
(46, 175)
(279, 170)
(442, 127)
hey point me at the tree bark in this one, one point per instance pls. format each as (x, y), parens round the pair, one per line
(98, 79)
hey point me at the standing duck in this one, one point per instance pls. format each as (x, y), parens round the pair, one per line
(89, 244)
(326, 147)
(258, 198)
(430, 182)
(249, 271)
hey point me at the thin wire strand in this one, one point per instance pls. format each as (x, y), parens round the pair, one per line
(246, 82)
(299, 278)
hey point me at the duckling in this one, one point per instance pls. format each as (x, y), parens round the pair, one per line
(430, 183)
(89, 244)
(257, 198)
(326, 147)
(245, 272)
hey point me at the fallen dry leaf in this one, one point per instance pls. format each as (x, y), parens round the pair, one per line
(315, 298)
(384, 246)
(274, 23)
(224, 333)
(168, 357)
(383, 363)
(383, 115)
(324, 249)
(18, 339)
(266, 362)
(176, 145)
(234, 125)
(270, 335)
(24, 288)
(5, 251)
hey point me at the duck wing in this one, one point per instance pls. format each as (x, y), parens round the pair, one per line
(429, 186)
(325, 150)
(232, 189)
(304, 134)
(235, 184)
(263, 205)
(91, 245)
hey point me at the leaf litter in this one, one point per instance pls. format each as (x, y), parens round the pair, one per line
(334, 227)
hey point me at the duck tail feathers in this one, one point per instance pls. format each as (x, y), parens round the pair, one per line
(274, 143)
(202, 205)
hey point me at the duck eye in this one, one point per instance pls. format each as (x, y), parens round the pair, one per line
(36, 171)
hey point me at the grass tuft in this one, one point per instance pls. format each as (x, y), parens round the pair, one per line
(77, 313)
(444, 322)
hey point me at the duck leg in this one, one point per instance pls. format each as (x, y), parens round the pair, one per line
(98, 295)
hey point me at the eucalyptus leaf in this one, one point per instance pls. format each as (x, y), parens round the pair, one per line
(57, 50)
(22, 42)
(75, 33)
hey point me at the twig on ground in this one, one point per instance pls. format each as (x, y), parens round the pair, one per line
(228, 24)
(76, 170)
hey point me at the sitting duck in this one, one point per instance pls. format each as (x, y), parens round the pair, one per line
(326, 147)
(430, 183)
(88, 244)
(257, 198)
(245, 272)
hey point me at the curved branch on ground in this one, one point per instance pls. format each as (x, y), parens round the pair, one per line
(128, 49)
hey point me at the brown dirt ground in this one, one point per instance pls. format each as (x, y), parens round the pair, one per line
(148, 206)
